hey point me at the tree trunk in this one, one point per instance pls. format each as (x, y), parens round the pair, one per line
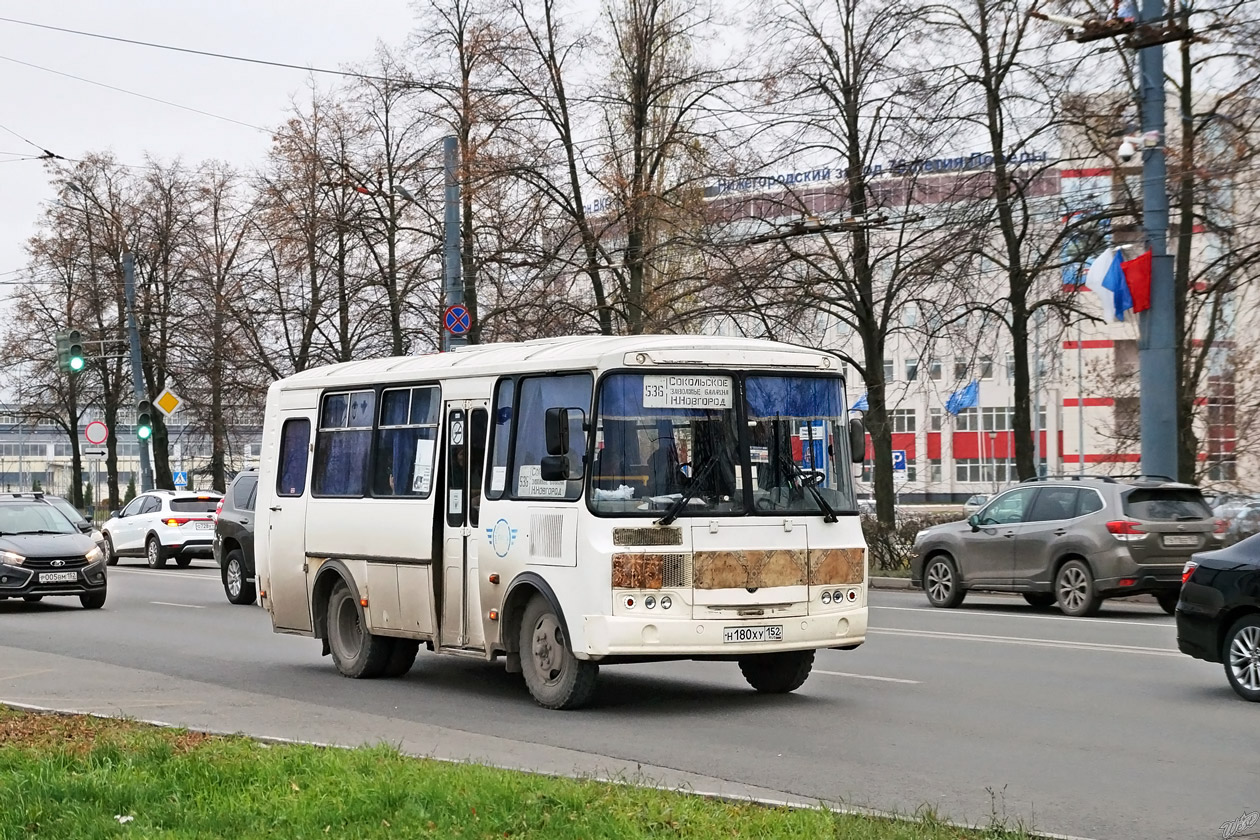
(1026, 465)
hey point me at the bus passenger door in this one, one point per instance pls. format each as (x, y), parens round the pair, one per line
(467, 425)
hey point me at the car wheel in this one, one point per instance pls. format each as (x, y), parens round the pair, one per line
(32, 599)
(356, 652)
(154, 553)
(555, 677)
(1074, 586)
(1039, 599)
(777, 673)
(183, 562)
(1241, 655)
(92, 600)
(111, 556)
(1168, 601)
(940, 582)
(238, 588)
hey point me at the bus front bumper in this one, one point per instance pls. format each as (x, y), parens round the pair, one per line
(625, 636)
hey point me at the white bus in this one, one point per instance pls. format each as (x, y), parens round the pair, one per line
(566, 503)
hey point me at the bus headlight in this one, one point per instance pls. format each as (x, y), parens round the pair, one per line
(826, 597)
(666, 602)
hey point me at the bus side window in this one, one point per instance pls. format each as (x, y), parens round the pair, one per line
(500, 436)
(295, 439)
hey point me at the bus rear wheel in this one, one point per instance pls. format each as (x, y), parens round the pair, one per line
(555, 677)
(777, 673)
(356, 652)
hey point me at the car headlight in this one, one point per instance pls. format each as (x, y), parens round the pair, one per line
(11, 558)
(95, 555)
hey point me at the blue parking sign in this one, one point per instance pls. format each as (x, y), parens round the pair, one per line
(899, 460)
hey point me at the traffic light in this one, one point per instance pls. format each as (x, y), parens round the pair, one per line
(63, 351)
(144, 420)
(76, 361)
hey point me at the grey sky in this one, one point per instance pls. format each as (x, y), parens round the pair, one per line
(72, 118)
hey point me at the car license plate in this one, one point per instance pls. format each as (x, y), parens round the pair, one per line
(772, 633)
(58, 577)
(205, 526)
(1180, 539)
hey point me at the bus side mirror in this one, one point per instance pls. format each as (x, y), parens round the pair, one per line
(857, 440)
(555, 468)
(557, 429)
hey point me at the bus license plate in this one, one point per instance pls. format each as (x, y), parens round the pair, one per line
(773, 633)
(58, 577)
(1180, 539)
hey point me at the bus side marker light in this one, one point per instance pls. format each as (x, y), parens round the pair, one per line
(363, 602)
(494, 578)
(494, 615)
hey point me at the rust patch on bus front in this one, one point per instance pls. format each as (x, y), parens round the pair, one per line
(749, 569)
(836, 565)
(637, 571)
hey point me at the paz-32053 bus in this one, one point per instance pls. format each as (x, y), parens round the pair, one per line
(566, 503)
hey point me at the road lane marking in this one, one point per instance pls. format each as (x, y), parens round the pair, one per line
(935, 611)
(1019, 640)
(186, 606)
(866, 677)
(208, 575)
(27, 674)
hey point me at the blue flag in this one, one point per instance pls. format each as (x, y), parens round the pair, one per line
(966, 397)
(860, 405)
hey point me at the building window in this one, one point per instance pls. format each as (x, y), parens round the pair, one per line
(910, 315)
(998, 419)
(934, 369)
(912, 370)
(888, 370)
(986, 367)
(934, 470)
(903, 420)
(935, 419)
(967, 420)
(961, 369)
(1010, 367)
(976, 470)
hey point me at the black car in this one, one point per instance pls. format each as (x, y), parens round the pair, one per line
(1218, 615)
(234, 537)
(43, 554)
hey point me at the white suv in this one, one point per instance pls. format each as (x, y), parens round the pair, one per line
(163, 524)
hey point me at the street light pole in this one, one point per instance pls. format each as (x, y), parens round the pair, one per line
(1157, 355)
(137, 368)
(453, 291)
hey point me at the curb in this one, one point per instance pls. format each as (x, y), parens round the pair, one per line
(799, 804)
(891, 583)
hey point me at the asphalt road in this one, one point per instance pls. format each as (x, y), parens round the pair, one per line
(1091, 727)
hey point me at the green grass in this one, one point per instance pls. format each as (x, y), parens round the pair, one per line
(73, 777)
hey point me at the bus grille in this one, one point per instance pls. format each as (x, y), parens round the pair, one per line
(647, 536)
(546, 532)
(676, 571)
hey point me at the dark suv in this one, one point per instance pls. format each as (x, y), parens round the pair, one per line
(44, 553)
(234, 537)
(1070, 540)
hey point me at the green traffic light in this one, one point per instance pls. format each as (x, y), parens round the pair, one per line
(143, 432)
(76, 363)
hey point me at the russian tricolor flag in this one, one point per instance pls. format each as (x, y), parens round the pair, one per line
(1121, 285)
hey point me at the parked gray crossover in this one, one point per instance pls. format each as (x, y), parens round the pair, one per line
(1070, 540)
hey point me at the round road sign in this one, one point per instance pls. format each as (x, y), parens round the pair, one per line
(96, 433)
(458, 321)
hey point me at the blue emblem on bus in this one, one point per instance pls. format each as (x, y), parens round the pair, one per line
(501, 537)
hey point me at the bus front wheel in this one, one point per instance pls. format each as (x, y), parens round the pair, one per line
(356, 652)
(777, 673)
(555, 677)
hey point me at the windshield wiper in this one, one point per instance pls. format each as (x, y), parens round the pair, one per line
(676, 507)
(805, 481)
(23, 533)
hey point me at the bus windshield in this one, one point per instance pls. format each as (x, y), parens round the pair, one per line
(662, 437)
(799, 448)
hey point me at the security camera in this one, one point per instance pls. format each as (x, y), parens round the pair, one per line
(1127, 150)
